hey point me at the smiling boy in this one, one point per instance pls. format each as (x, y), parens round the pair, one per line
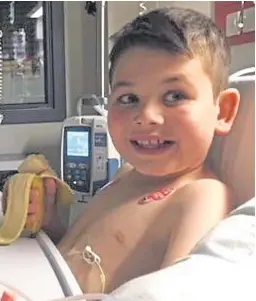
(169, 97)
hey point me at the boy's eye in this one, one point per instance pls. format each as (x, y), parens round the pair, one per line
(174, 96)
(127, 99)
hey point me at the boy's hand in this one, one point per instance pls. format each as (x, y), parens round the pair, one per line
(50, 208)
(50, 200)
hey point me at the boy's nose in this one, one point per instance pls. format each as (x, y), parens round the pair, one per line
(148, 115)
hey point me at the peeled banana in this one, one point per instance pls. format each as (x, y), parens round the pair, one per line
(30, 175)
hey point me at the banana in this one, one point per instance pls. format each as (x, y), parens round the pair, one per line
(30, 175)
(16, 213)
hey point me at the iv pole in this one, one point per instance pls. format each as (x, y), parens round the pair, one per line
(100, 109)
(98, 101)
(1, 73)
(103, 49)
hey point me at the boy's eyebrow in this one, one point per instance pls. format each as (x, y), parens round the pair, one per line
(175, 78)
(121, 84)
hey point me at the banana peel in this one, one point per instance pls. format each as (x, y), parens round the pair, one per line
(31, 174)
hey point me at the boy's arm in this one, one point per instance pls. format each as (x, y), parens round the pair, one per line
(55, 229)
(200, 206)
(52, 224)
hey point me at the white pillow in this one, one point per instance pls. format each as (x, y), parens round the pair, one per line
(233, 156)
(235, 237)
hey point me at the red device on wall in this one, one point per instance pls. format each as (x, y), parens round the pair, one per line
(228, 14)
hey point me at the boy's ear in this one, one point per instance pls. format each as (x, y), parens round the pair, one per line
(228, 103)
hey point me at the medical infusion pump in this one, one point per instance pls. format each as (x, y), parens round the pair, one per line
(88, 158)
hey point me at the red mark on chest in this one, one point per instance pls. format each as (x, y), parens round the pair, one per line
(156, 196)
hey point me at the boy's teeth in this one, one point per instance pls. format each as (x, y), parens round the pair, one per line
(150, 142)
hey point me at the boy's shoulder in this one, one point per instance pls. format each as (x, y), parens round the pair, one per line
(205, 195)
(204, 192)
(194, 210)
(201, 187)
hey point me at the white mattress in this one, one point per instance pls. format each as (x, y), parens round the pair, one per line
(24, 265)
(36, 268)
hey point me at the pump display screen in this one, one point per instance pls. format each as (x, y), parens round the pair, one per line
(77, 158)
(77, 144)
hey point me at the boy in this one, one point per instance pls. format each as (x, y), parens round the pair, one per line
(169, 96)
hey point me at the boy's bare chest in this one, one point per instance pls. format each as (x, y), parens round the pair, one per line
(115, 227)
(120, 215)
(130, 238)
(125, 225)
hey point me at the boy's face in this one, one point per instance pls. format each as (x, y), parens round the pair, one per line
(162, 114)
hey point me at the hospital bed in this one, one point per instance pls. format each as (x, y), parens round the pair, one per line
(35, 266)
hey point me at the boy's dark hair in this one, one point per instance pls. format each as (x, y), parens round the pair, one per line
(178, 31)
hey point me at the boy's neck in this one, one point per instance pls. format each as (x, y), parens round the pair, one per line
(151, 180)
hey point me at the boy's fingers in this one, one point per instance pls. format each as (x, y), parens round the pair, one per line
(30, 220)
(33, 200)
(50, 186)
(50, 196)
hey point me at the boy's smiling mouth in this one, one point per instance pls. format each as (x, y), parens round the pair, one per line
(151, 145)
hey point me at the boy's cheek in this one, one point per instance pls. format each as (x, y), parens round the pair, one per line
(116, 118)
(114, 124)
(113, 119)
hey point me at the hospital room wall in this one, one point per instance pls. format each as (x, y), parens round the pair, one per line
(120, 12)
(80, 46)
(80, 41)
